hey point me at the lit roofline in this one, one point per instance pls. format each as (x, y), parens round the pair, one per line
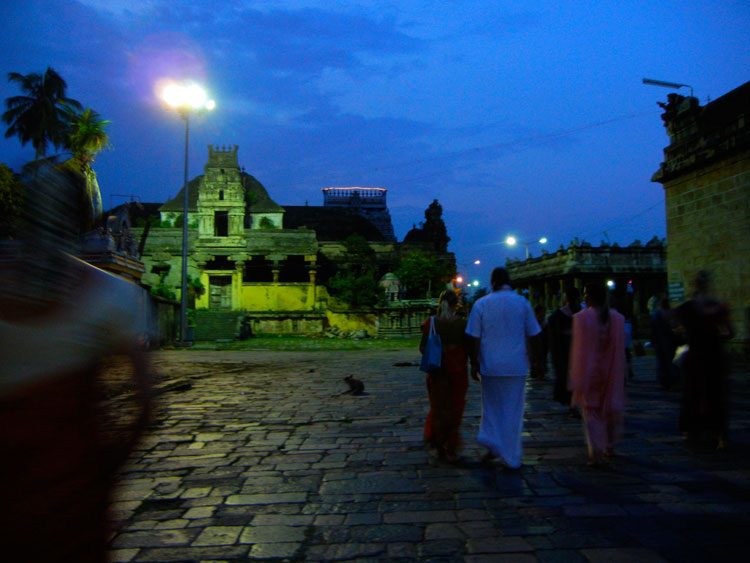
(354, 188)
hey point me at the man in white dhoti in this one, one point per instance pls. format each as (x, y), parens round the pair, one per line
(499, 323)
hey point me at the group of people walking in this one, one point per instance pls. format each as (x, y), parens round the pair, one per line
(587, 346)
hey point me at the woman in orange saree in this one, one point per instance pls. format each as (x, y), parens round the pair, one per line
(447, 386)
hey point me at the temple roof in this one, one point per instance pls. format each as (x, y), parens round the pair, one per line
(253, 188)
(331, 223)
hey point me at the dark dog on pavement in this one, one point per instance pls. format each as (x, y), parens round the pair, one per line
(356, 387)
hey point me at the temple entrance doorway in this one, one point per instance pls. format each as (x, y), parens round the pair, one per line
(220, 292)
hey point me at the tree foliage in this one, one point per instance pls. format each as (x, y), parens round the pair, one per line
(423, 275)
(87, 136)
(356, 281)
(42, 114)
(11, 200)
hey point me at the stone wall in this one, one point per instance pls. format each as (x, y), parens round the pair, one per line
(706, 179)
(708, 228)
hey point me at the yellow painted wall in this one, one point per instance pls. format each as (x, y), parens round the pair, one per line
(277, 297)
(291, 297)
(353, 321)
(265, 296)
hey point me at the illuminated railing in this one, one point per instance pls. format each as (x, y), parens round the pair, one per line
(351, 195)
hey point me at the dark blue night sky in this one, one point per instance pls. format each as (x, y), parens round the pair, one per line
(520, 118)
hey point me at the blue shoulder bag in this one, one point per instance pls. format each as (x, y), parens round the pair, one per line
(432, 356)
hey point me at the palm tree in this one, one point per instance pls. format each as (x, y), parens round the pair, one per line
(41, 115)
(86, 136)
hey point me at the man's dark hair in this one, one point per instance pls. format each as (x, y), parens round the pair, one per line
(574, 298)
(499, 278)
(596, 294)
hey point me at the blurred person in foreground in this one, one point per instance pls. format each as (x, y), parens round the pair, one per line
(447, 386)
(597, 372)
(500, 323)
(538, 346)
(560, 326)
(706, 326)
(60, 319)
(665, 345)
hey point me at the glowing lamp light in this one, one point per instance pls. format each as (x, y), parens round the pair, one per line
(192, 96)
(511, 241)
(459, 279)
(610, 284)
(543, 240)
(173, 95)
(477, 262)
(475, 283)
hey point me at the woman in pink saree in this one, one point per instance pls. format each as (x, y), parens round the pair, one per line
(597, 372)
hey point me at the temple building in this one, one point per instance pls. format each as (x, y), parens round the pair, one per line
(706, 179)
(254, 261)
(634, 275)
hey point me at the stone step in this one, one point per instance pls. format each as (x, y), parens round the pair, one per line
(216, 325)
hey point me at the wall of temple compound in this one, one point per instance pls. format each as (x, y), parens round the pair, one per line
(706, 179)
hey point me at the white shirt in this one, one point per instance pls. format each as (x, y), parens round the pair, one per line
(502, 321)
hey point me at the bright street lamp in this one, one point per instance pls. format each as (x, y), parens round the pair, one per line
(185, 99)
(512, 241)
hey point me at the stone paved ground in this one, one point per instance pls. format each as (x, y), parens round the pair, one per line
(263, 458)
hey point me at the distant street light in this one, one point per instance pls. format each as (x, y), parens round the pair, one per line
(512, 241)
(465, 269)
(674, 85)
(185, 99)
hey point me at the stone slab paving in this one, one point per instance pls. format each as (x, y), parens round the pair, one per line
(263, 458)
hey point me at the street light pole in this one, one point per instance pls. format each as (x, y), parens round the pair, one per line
(665, 84)
(183, 276)
(185, 99)
(512, 241)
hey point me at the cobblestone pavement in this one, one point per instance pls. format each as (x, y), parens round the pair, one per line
(264, 458)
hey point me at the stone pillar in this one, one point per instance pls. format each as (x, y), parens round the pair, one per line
(205, 225)
(239, 266)
(313, 292)
(276, 260)
(236, 222)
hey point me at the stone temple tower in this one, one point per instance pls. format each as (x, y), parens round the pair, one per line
(221, 197)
